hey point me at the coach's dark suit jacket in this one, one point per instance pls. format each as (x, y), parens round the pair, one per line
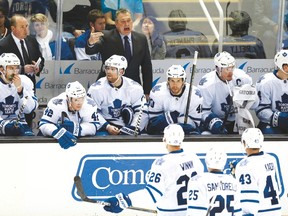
(8, 45)
(111, 43)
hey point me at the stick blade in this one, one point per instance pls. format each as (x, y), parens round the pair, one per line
(79, 187)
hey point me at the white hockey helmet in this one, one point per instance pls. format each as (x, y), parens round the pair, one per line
(215, 159)
(117, 61)
(224, 60)
(75, 90)
(173, 135)
(176, 71)
(8, 59)
(252, 138)
(281, 58)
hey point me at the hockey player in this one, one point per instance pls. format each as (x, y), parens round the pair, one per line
(240, 44)
(71, 115)
(167, 181)
(120, 99)
(272, 90)
(16, 98)
(216, 88)
(214, 193)
(168, 102)
(257, 176)
(182, 42)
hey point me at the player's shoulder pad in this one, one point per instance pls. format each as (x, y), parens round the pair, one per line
(208, 79)
(266, 78)
(26, 81)
(58, 101)
(98, 84)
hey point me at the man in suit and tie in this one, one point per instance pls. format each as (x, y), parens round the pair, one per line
(123, 41)
(26, 48)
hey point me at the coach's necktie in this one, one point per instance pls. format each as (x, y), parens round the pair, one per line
(24, 53)
(127, 47)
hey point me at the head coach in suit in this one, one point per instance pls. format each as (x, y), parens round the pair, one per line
(26, 48)
(134, 48)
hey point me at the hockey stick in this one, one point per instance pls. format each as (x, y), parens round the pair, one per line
(227, 6)
(212, 200)
(190, 87)
(63, 116)
(229, 107)
(21, 111)
(81, 192)
(138, 122)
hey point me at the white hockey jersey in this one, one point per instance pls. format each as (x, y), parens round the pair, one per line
(273, 96)
(88, 118)
(111, 100)
(217, 193)
(162, 101)
(10, 101)
(259, 185)
(216, 93)
(167, 183)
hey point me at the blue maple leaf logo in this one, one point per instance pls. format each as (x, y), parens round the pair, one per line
(260, 79)
(202, 81)
(57, 101)
(225, 106)
(156, 88)
(282, 105)
(115, 110)
(198, 93)
(9, 106)
(159, 161)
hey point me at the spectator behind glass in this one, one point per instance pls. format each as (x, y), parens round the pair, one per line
(28, 8)
(150, 28)
(46, 39)
(182, 42)
(109, 8)
(96, 21)
(4, 30)
(239, 43)
(75, 20)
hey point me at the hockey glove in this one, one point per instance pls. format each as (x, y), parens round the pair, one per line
(171, 117)
(9, 128)
(127, 115)
(279, 119)
(189, 129)
(118, 203)
(128, 130)
(72, 127)
(157, 124)
(215, 124)
(65, 138)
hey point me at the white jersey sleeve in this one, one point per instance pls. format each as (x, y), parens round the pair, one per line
(258, 184)
(217, 193)
(52, 114)
(272, 93)
(167, 183)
